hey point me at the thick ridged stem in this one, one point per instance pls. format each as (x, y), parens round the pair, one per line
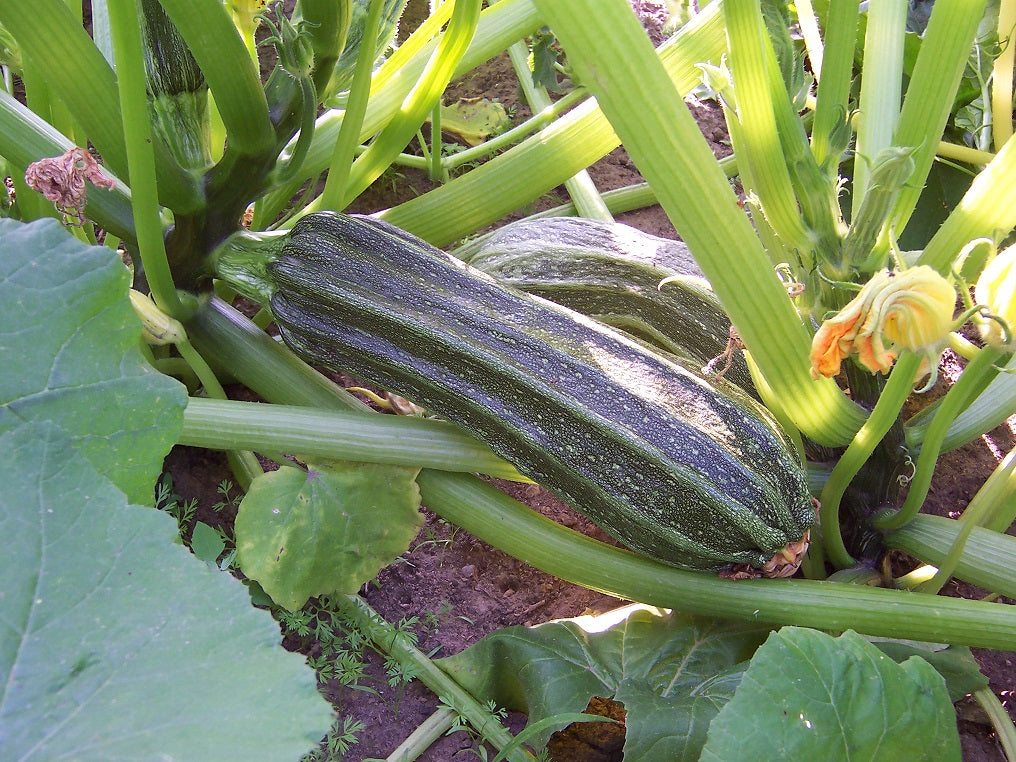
(126, 33)
(973, 554)
(494, 517)
(338, 435)
(932, 89)
(881, 85)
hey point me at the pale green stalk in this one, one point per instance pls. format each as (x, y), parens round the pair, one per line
(420, 101)
(435, 169)
(985, 559)
(991, 409)
(812, 36)
(758, 141)
(352, 120)
(218, 424)
(140, 155)
(493, 517)
(580, 187)
(929, 98)
(881, 87)
(1002, 75)
(998, 489)
(987, 209)
(499, 142)
(498, 27)
(423, 736)
(955, 401)
(832, 97)
(609, 50)
(1000, 719)
(545, 160)
(965, 154)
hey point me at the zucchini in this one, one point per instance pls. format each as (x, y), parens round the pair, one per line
(652, 453)
(177, 91)
(613, 272)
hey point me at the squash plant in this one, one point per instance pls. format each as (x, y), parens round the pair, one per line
(190, 136)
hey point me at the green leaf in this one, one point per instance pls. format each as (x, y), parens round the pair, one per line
(956, 664)
(325, 530)
(671, 671)
(116, 644)
(206, 544)
(807, 695)
(69, 354)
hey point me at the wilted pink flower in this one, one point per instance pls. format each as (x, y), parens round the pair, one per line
(61, 179)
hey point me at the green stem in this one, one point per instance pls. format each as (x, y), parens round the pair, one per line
(495, 518)
(545, 160)
(423, 736)
(940, 63)
(1002, 79)
(1000, 720)
(230, 340)
(219, 424)
(427, 92)
(759, 143)
(126, 33)
(986, 209)
(832, 98)
(400, 647)
(882, 418)
(881, 87)
(955, 402)
(587, 199)
(352, 120)
(984, 560)
(991, 492)
(539, 119)
(989, 410)
(204, 373)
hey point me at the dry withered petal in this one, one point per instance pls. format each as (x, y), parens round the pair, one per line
(61, 180)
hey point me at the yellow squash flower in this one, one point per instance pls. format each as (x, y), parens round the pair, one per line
(996, 290)
(896, 310)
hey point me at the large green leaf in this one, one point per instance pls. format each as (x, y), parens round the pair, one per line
(115, 643)
(807, 695)
(672, 672)
(325, 530)
(69, 354)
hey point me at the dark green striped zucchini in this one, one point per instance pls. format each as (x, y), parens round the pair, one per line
(612, 272)
(652, 453)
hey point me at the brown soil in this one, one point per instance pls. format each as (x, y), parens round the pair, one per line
(462, 589)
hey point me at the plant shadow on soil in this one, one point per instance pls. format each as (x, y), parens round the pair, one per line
(461, 589)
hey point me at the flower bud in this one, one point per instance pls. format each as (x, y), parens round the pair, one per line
(996, 290)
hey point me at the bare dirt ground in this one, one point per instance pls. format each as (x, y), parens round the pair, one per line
(461, 589)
